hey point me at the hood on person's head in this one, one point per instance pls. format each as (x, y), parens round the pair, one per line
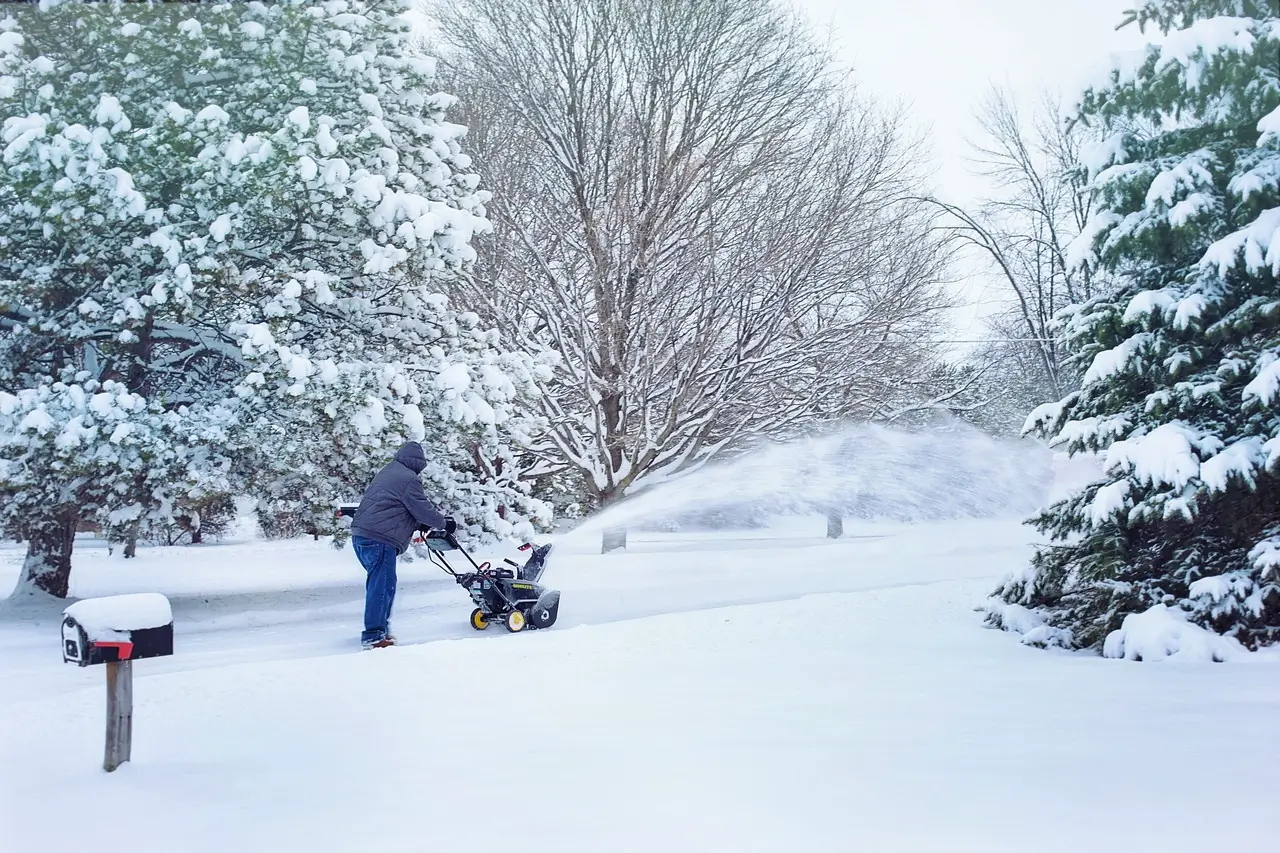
(412, 457)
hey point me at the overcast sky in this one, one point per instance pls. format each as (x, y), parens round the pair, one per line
(942, 56)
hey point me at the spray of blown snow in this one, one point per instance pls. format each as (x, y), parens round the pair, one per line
(862, 471)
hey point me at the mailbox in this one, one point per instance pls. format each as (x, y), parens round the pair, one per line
(117, 628)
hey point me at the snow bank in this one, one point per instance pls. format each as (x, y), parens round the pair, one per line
(1029, 624)
(102, 616)
(880, 719)
(1163, 633)
(764, 728)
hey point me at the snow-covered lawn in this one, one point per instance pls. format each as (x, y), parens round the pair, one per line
(765, 691)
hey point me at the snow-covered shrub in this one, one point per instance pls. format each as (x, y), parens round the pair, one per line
(283, 518)
(253, 208)
(1181, 367)
(195, 519)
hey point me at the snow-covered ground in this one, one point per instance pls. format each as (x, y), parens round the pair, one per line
(758, 691)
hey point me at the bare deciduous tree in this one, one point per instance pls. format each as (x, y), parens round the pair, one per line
(1039, 204)
(692, 208)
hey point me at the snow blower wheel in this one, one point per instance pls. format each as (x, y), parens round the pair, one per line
(515, 621)
(478, 621)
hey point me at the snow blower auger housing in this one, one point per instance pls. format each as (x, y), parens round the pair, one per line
(511, 596)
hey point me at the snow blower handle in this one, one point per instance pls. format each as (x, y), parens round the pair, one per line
(438, 539)
(447, 537)
(446, 533)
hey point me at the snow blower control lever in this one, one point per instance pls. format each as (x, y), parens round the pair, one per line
(514, 598)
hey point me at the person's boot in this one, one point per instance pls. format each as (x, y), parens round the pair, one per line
(380, 643)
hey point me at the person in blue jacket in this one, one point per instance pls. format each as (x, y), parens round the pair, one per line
(392, 509)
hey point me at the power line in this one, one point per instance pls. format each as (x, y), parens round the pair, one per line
(982, 341)
(1003, 341)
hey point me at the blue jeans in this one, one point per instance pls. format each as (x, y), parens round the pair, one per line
(379, 562)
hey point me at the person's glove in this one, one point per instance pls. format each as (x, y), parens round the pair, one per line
(450, 525)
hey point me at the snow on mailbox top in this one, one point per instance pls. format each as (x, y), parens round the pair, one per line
(117, 613)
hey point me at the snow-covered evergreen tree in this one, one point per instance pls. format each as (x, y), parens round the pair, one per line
(1182, 365)
(236, 216)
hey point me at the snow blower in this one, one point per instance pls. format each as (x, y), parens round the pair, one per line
(513, 598)
(510, 596)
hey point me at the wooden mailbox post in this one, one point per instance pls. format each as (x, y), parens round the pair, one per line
(116, 631)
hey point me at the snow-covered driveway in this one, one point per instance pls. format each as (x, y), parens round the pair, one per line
(779, 693)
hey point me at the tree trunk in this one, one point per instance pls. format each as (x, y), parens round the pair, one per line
(48, 563)
(835, 524)
(131, 542)
(613, 539)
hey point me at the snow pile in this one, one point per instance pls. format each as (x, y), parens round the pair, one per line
(117, 613)
(1163, 633)
(1030, 624)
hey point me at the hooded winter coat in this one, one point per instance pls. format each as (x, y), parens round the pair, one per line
(395, 504)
